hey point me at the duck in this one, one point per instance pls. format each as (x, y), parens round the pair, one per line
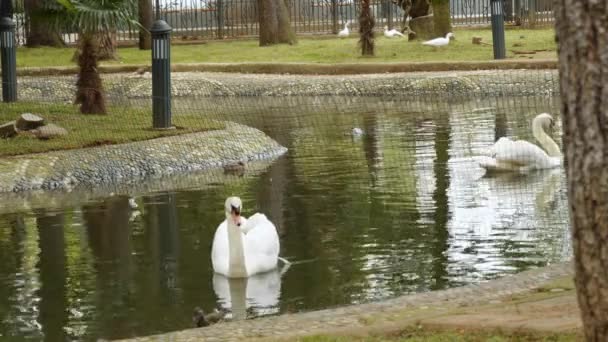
(438, 42)
(392, 33)
(244, 247)
(508, 155)
(345, 32)
(237, 168)
(201, 319)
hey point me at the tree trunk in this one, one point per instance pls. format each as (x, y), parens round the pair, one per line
(581, 27)
(275, 27)
(144, 8)
(89, 93)
(366, 29)
(107, 46)
(37, 30)
(441, 17)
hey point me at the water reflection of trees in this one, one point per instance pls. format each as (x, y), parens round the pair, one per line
(53, 275)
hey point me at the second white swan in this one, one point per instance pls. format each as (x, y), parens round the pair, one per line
(243, 247)
(522, 156)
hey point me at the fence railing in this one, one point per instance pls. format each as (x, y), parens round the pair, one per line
(219, 19)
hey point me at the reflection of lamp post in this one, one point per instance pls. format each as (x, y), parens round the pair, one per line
(8, 53)
(498, 29)
(161, 72)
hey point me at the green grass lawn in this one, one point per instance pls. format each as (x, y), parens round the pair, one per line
(121, 125)
(311, 50)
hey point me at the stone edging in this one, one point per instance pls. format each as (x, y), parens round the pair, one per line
(131, 163)
(356, 316)
(310, 68)
(419, 85)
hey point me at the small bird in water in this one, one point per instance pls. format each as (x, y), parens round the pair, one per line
(237, 168)
(357, 131)
(201, 319)
(132, 204)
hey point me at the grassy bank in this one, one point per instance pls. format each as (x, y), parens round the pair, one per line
(121, 125)
(332, 50)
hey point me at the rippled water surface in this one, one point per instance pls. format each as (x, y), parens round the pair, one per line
(401, 209)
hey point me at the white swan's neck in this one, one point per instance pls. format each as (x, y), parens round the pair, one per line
(545, 140)
(236, 262)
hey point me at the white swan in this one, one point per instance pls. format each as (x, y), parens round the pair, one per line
(243, 247)
(522, 156)
(392, 33)
(437, 42)
(345, 32)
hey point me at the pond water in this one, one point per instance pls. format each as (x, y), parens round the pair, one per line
(402, 209)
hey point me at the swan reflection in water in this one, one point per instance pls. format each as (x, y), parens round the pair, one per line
(258, 294)
(503, 220)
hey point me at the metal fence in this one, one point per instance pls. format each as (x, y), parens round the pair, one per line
(219, 19)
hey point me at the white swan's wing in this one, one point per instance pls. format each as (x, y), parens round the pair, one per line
(519, 152)
(219, 249)
(261, 243)
(432, 41)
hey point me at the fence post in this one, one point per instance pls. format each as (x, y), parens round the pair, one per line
(8, 54)
(220, 18)
(498, 29)
(161, 74)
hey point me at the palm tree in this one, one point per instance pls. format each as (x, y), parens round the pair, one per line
(94, 18)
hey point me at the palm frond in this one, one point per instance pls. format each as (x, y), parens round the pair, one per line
(93, 16)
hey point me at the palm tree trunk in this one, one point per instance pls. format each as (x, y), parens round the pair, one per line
(145, 20)
(107, 46)
(89, 93)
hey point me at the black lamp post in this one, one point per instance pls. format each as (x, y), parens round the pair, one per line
(161, 72)
(8, 52)
(498, 28)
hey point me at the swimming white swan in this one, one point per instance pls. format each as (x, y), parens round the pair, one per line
(522, 156)
(243, 247)
(345, 32)
(392, 33)
(441, 41)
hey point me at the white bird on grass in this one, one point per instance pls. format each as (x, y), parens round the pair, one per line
(522, 156)
(357, 132)
(345, 32)
(392, 33)
(438, 42)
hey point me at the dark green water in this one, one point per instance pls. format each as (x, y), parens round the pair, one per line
(402, 209)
